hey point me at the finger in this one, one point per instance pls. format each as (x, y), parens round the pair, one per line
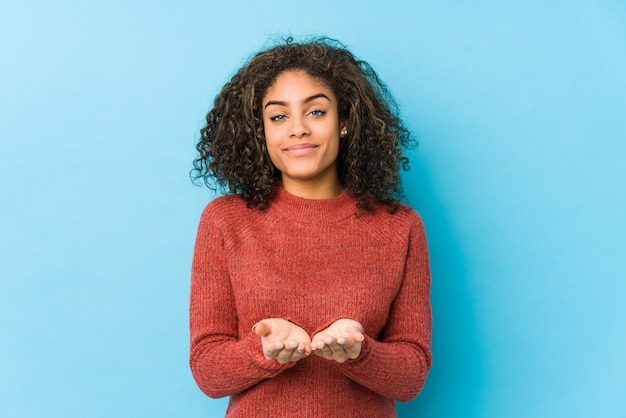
(354, 351)
(356, 335)
(346, 343)
(272, 349)
(291, 345)
(262, 329)
(352, 345)
(338, 351)
(340, 357)
(346, 339)
(304, 349)
(321, 346)
(299, 355)
(287, 353)
(321, 353)
(327, 352)
(318, 342)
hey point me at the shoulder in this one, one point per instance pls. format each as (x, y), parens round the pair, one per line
(228, 201)
(225, 209)
(397, 226)
(413, 222)
(402, 215)
(411, 217)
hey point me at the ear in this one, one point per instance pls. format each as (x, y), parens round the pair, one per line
(343, 129)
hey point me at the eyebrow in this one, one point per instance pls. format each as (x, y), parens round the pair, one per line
(307, 100)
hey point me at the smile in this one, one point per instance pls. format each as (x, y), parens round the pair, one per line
(301, 149)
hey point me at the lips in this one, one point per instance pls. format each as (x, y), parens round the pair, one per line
(301, 149)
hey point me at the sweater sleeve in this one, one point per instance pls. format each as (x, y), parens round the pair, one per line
(396, 366)
(222, 362)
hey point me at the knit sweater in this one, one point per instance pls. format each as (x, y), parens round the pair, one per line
(310, 262)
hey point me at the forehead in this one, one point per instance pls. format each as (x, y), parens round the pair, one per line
(296, 84)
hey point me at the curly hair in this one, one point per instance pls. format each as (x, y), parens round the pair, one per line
(232, 148)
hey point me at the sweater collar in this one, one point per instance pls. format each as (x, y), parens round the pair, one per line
(310, 210)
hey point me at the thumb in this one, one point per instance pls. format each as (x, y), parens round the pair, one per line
(261, 328)
(356, 334)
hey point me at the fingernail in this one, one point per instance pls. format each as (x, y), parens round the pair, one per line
(292, 346)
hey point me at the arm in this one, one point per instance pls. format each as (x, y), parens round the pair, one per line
(397, 365)
(222, 362)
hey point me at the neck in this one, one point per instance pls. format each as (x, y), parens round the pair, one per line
(313, 189)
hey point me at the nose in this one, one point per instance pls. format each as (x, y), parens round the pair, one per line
(299, 127)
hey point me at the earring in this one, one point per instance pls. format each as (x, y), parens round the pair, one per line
(344, 132)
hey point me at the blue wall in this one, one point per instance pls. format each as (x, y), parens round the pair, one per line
(519, 177)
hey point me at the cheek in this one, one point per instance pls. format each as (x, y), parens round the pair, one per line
(335, 150)
(333, 144)
(273, 135)
(270, 140)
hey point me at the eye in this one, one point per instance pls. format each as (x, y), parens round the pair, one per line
(278, 118)
(317, 113)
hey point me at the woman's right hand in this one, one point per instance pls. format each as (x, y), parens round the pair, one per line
(282, 340)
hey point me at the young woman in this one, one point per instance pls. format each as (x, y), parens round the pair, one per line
(310, 281)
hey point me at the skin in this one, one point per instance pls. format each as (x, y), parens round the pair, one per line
(286, 342)
(282, 340)
(340, 341)
(302, 131)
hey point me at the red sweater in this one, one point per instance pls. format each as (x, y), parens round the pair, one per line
(310, 262)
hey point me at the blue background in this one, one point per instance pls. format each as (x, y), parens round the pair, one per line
(519, 108)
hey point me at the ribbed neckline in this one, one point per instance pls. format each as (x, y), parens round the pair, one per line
(311, 210)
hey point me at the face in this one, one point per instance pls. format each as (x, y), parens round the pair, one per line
(302, 129)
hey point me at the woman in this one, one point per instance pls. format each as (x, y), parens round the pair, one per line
(310, 281)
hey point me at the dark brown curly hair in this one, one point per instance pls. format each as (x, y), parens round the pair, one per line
(233, 152)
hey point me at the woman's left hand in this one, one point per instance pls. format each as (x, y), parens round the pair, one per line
(340, 341)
